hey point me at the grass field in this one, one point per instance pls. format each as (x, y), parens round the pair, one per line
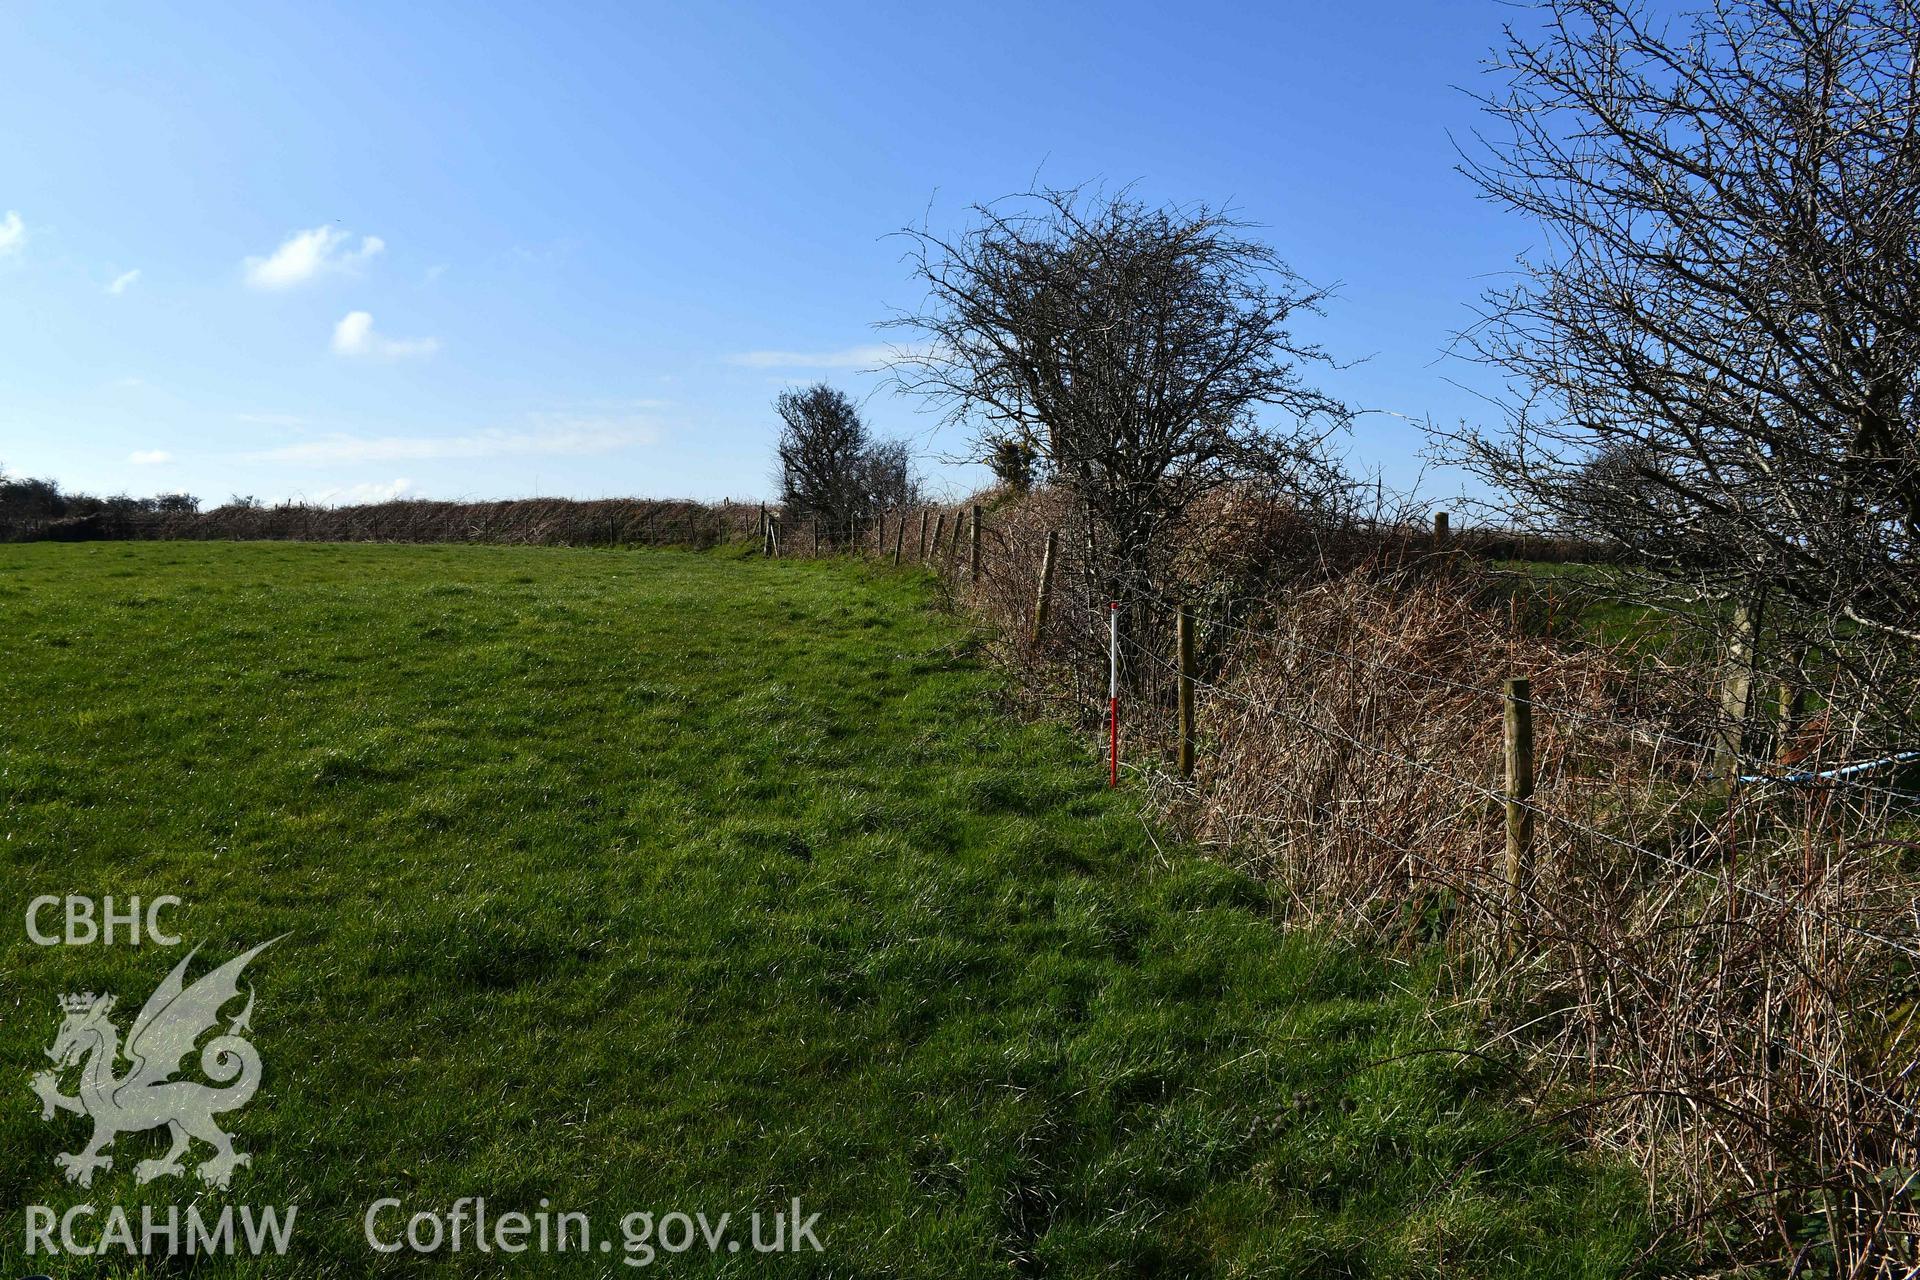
(665, 881)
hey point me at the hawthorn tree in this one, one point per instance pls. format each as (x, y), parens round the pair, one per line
(1714, 356)
(831, 469)
(1140, 355)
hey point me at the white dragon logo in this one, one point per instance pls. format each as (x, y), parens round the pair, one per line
(147, 1096)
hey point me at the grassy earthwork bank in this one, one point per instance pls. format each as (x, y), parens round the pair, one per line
(657, 881)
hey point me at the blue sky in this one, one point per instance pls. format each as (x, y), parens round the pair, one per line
(476, 251)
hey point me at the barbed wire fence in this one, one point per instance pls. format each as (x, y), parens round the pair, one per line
(1703, 942)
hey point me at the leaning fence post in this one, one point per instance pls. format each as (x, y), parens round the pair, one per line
(766, 533)
(973, 558)
(1043, 602)
(1183, 651)
(939, 531)
(899, 538)
(1519, 793)
(923, 534)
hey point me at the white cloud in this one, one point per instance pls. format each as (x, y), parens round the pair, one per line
(557, 436)
(270, 419)
(149, 457)
(13, 233)
(307, 254)
(354, 336)
(850, 358)
(371, 491)
(123, 280)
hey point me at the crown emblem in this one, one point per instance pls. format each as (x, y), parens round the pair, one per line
(81, 1003)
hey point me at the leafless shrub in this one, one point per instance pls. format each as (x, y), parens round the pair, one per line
(1716, 351)
(1715, 990)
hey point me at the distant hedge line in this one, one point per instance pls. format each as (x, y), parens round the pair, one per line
(535, 522)
(566, 522)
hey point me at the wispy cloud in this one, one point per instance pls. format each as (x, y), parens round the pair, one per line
(149, 457)
(307, 254)
(560, 436)
(270, 419)
(371, 491)
(123, 281)
(354, 336)
(850, 358)
(13, 233)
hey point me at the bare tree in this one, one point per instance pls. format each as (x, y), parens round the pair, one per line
(1716, 354)
(831, 468)
(1130, 348)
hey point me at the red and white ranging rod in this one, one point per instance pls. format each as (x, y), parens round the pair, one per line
(1113, 693)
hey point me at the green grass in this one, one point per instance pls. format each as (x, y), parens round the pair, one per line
(662, 881)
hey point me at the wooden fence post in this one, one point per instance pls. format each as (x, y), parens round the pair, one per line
(973, 559)
(766, 533)
(899, 538)
(1443, 542)
(815, 524)
(939, 530)
(1043, 602)
(1183, 650)
(1519, 793)
(923, 535)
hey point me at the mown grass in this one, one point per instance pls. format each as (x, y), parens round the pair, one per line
(662, 881)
